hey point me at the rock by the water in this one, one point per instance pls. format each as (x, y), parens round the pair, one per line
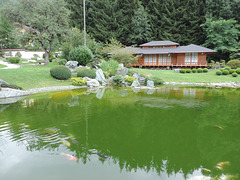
(122, 71)
(100, 77)
(177, 70)
(142, 80)
(9, 93)
(72, 65)
(91, 82)
(136, 75)
(150, 84)
(135, 83)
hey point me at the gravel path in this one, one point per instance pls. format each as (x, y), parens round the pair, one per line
(9, 65)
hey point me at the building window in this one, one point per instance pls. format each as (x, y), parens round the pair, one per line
(164, 59)
(191, 58)
(150, 59)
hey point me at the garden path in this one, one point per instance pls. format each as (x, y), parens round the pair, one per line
(9, 66)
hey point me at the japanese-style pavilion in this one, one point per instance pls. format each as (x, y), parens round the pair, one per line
(171, 54)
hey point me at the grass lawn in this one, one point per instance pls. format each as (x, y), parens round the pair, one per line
(2, 66)
(170, 76)
(31, 76)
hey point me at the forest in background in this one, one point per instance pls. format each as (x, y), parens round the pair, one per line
(212, 23)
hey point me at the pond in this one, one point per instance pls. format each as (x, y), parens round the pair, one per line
(166, 133)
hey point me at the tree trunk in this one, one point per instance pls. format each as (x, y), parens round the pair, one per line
(46, 58)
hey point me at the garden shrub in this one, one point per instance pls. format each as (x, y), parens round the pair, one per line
(188, 71)
(225, 72)
(18, 54)
(231, 71)
(227, 68)
(234, 64)
(12, 86)
(205, 70)
(78, 81)
(14, 60)
(50, 58)
(81, 54)
(218, 72)
(194, 70)
(199, 70)
(221, 69)
(83, 72)
(110, 67)
(62, 62)
(182, 71)
(234, 74)
(60, 72)
(129, 79)
(238, 71)
(156, 80)
(118, 79)
(33, 58)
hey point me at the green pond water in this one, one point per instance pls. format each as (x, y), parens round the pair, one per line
(111, 134)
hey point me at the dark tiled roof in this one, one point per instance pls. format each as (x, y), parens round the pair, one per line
(180, 49)
(160, 43)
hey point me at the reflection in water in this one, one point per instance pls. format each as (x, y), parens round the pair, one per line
(172, 132)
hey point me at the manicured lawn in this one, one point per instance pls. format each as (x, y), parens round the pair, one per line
(2, 66)
(170, 76)
(31, 76)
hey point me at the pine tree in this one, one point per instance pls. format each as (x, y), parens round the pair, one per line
(141, 29)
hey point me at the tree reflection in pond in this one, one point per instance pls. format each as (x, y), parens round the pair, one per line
(173, 130)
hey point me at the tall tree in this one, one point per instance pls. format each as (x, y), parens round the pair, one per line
(140, 27)
(45, 21)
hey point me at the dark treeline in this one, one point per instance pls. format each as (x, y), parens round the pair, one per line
(175, 20)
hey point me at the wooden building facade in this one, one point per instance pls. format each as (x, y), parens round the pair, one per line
(171, 54)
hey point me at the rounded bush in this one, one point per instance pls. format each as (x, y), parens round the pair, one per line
(62, 62)
(205, 70)
(227, 68)
(83, 72)
(231, 71)
(130, 79)
(60, 72)
(218, 72)
(188, 71)
(234, 74)
(182, 71)
(78, 81)
(81, 54)
(18, 54)
(194, 70)
(234, 64)
(118, 79)
(221, 69)
(199, 70)
(238, 71)
(225, 72)
(14, 60)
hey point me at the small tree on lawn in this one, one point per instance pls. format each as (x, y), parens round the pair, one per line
(44, 20)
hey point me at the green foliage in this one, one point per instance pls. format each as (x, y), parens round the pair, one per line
(14, 60)
(118, 79)
(225, 72)
(60, 72)
(182, 71)
(78, 81)
(205, 70)
(156, 80)
(18, 54)
(194, 70)
(218, 72)
(221, 69)
(110, 67)
(188, 71)
(130, 79)
(231, 71)
(199, 70)
(12, 86)
(44, 21)
(83, 72)
(125, 56)
(33, 58)
(62, 62)
(234, 75)
(227, 68)
(141, 29)
(1, 52)
(238, 71)
(234, 64)
(82, 54)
